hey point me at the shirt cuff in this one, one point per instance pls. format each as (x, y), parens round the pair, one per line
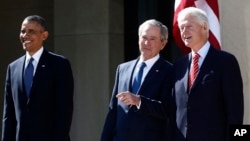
(139, 105)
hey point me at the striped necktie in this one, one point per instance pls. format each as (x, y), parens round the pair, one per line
(194, 70)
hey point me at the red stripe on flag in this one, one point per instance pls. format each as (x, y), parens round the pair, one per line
(181, 4)
(213, 40)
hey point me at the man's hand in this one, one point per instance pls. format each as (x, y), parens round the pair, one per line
(129, 98)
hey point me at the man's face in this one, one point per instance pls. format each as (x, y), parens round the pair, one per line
(150, 43)
(193, 33)
(32, 36)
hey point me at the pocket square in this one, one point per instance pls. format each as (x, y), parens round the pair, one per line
(207, 77)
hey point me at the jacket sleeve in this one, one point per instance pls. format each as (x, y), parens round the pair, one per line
(64, 100)
(110, 122)
(9, 121)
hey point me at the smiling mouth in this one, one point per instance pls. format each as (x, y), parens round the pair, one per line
(186, 38)
(26, 42)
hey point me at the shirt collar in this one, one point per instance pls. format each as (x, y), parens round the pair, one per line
(149, 62)
(36, 56)
(203, 51)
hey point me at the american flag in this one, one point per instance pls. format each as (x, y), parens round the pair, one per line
(212, 10)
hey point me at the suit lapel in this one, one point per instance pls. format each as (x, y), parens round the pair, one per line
(151, 74)
(129, 78)
(20, 74)
(39, 70)
(41, 65)
(187, 71)
(126, 74)
(206, 66)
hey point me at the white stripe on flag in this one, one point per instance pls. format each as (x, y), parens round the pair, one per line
(177, 3)
(213, 20)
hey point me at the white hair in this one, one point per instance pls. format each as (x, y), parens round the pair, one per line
(196, 13)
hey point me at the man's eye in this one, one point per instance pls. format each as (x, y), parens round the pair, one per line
(32, 32)
(22, 31)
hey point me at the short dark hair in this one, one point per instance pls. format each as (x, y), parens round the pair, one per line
(40, 20)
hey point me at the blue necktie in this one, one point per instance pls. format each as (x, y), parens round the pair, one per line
(28, 76)
(138, 77)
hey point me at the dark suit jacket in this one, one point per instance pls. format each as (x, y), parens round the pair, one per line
(216, 99)
(149, 122)
(46, 115)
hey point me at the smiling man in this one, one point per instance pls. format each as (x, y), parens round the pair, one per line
(139, 105)
(38, 98)
(208, 89)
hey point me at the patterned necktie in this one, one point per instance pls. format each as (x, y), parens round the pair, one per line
(194, 70)
(138, 77)
(28, 76)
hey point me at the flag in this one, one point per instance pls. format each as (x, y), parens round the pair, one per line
(212, 11)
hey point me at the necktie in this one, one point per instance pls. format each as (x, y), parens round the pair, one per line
(194, 70)
(138, 77)
(28, 76)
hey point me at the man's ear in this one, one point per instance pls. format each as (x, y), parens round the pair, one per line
(45, 35)
(205, 26)
(164, 42)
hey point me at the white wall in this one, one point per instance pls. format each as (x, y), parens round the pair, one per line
(235, 31)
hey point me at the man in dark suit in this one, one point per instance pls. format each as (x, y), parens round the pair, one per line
(41, 110)
(208, 104)
(140, 115)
